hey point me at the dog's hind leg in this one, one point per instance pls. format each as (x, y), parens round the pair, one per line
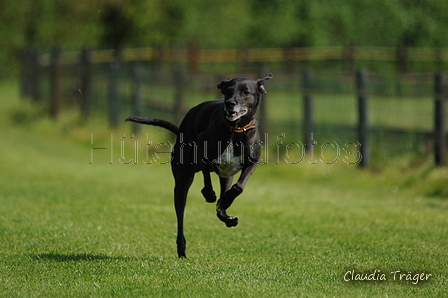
(183, 182)
(208, 192)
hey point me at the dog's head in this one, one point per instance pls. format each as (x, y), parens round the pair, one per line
(242, 96)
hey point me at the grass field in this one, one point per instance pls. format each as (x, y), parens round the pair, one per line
(72, 228)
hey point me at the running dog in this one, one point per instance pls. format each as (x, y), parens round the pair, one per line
(218, 136)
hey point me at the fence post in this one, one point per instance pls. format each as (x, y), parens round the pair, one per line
(402, 55)
(349, 57)
(362, 78)
(179, 100)
(55, 79)
(440, 120)
(26, 76)
(194, 58)
(114, 93)
(157, 63)
(35, 75)
(290, 60)
(308, 81)
(244, 57)
(137, 72)
(264, 117)
(86, 78)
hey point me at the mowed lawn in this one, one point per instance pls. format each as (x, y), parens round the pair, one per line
(69, 227)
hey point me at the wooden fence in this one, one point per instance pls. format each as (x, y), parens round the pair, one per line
(34, 65)
(255, 55)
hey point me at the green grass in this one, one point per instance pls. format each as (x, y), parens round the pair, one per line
(70, 228)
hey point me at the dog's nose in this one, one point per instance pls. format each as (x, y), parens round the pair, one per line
(230, 103)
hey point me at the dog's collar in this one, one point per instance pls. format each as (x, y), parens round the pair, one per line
(248, 126)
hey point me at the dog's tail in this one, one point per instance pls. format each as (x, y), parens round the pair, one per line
(156, 122)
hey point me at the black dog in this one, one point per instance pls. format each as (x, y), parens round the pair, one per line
(215, 136)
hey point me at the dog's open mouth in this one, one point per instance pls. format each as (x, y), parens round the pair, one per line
(234, 115)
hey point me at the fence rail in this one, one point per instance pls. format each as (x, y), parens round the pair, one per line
(256, 55)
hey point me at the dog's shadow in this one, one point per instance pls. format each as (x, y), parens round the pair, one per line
(83, 257)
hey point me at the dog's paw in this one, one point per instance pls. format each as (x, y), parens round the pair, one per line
(210, 196)
(230, 221)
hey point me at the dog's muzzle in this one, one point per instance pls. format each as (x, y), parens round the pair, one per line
(234, 115)
(234, 110)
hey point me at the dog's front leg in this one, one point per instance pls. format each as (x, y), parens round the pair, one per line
(229, 196)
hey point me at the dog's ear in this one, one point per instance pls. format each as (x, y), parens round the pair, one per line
(223, 85)
(260, 83)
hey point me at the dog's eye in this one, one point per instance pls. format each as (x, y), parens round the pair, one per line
(229, 91)
(246, 93)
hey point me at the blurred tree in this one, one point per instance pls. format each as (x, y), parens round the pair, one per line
(43, 24)
(211, 23)
(274, 23)
(13, 31)
(146, 19)
(219, 24)
(116, 26)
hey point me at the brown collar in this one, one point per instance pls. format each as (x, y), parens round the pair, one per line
(243, 129)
